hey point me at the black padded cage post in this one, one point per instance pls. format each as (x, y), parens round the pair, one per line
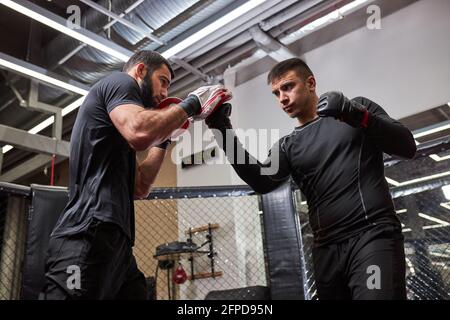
(47, 204)
(283, 244)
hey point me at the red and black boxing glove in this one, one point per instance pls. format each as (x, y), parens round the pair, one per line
(335, 104)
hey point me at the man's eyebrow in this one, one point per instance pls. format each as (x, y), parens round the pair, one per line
(286, 83)
(165, 78)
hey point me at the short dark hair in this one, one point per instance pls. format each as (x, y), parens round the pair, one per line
(293, 64)
(152, 59)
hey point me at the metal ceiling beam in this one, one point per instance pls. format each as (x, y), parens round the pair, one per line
(127, 10)
(271, 46)
(123, 21)
(297, 8)
(241, 45)
(236, 37)
(190, 68)
(13, 88)
(28, 167)
(34, 103)
(35, 72)
(239, 25)
(60, 24)
(33, 142)
(302, 9)
(105, 28)
(188, 80)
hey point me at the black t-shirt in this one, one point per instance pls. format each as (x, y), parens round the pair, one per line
(338, 168)
(102, 164)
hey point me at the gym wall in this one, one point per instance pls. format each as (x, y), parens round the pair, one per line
(373, 63)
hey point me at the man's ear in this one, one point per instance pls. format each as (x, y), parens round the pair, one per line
(141, 70)
(311, 83)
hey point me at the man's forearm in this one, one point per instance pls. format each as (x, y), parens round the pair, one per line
(391, 136)
(147, 171)
(386, 133)
(156, 125)
(247, 168)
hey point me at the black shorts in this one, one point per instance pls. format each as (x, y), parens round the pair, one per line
(368, 266)
(96, 264)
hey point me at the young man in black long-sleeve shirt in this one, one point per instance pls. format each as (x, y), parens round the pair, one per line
(335, 156)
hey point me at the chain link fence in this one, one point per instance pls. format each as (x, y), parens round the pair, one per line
(213, 243)
(227, 231)
(13, 222)
(308, 242)
(426, 227)
(423, 208)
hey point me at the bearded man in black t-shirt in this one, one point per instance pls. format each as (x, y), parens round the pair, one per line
(93, 238)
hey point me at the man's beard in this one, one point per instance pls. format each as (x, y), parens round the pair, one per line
(147, 92)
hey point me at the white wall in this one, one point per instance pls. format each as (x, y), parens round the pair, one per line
(405, 67)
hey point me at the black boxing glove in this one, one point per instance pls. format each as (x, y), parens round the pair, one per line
(220, 119)
(204, 101)
(335, 104)
(164, 145)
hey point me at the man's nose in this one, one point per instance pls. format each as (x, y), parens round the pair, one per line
(283, 98)
(164, 93)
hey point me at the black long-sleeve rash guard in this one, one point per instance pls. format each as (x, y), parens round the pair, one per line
(337, 167)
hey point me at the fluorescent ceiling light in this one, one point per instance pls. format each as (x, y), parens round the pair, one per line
(74, 105)
(440, 255)
(6, 148)
(41, 126)
(352, 5)
(63, 28)
(332, 16)
(50, 120)
(431, 131)
(434, 176)
(323, 21)
(123, 55)
(28, 71)
(401, 211)
(437, 158)
(35, 72)
(434, 226)
(446, 190)
(393, 182)
(446, 205)
(428, 217)
(243, 9)
(438, 175)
